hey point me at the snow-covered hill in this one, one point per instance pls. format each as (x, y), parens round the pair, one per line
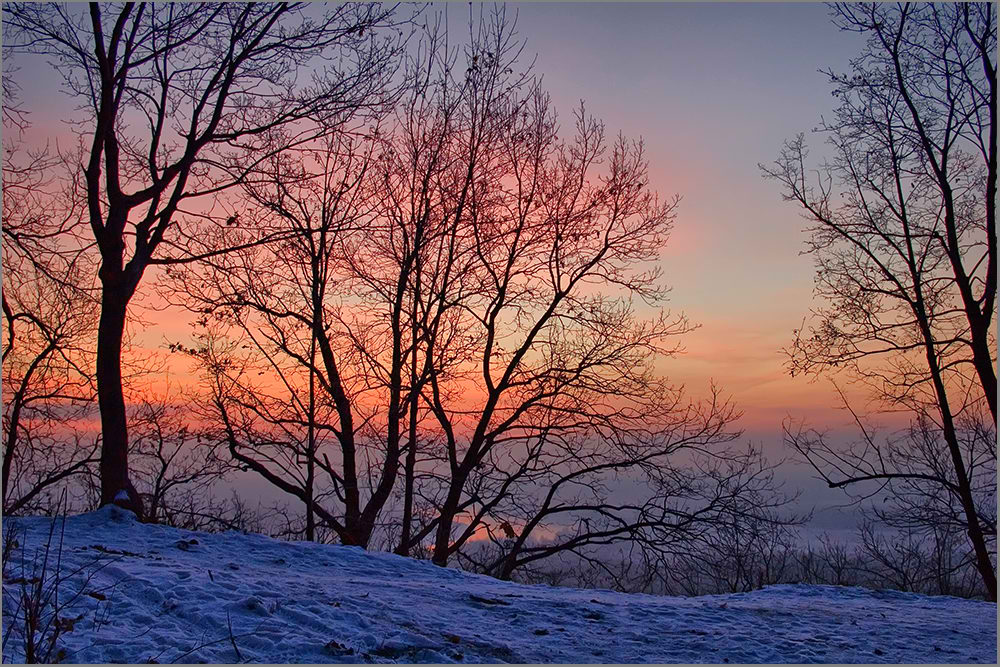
(171, 595)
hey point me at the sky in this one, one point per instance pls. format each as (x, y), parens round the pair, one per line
(713, 89)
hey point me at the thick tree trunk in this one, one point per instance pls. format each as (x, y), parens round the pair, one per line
(442, 539)
(115, 484)
(310, 501)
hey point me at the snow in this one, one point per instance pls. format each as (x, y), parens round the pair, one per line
(153, 592)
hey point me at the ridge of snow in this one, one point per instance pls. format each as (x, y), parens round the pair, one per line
(166, 594)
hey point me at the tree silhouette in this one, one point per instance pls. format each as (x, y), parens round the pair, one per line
(904, 239)
(181, 101)
(279, 405)
(453, 305)
(48, 322)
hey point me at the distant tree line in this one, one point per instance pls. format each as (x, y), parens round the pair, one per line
(873, 558)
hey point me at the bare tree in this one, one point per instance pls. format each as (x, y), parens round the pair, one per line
(896, 560)
(535, 367)
(405, 257)
(837, 560)
(904, 238)
(48, 392)
(545, 231)
(456, 303)
(181, 101)
(47, 325)
(740, 553)
(281, 406)
(173, 465)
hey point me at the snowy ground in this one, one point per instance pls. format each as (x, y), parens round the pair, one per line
(165, 594)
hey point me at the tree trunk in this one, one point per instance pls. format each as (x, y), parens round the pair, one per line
(111, 399)
(442, 540)
(311, 445)
(351, 535)
(983, 562)
(408, 471)
(310, 501)
(410, 464)
(17, 403)
(975, 530)
(390, 466)
(11, 445)
(983, 361)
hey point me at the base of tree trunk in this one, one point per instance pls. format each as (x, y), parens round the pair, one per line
(129, 499)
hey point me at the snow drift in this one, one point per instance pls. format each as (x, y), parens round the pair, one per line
(144, 592)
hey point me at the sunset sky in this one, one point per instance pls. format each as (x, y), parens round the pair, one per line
(713, 89)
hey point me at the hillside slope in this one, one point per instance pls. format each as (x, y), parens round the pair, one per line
(165, 594)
